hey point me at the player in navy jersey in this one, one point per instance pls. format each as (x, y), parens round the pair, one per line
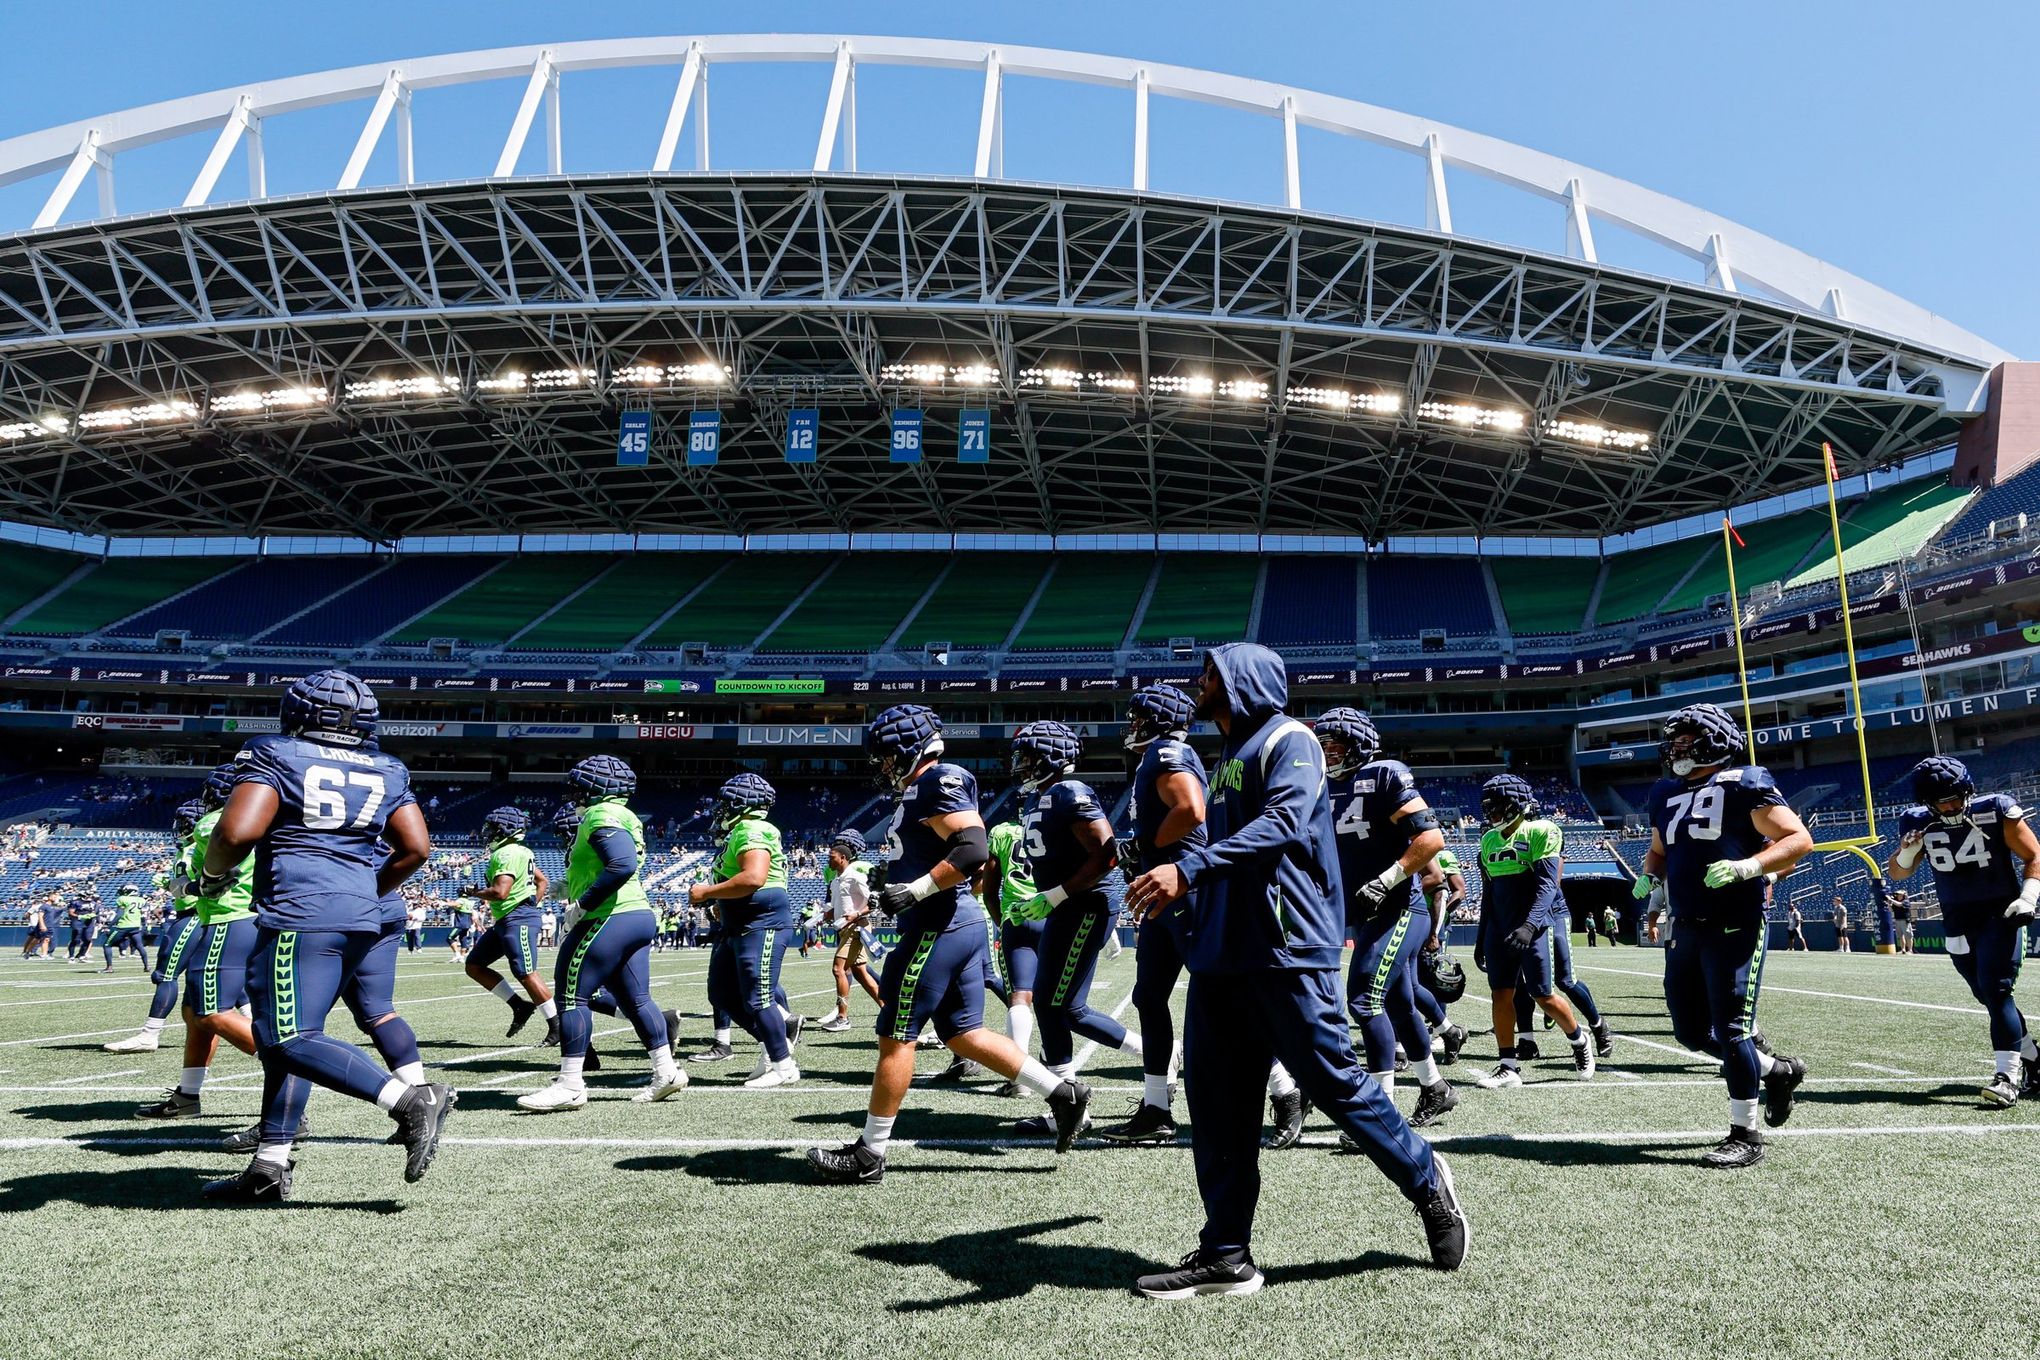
(1718, 831)
(935, 975)
(1168, 821)
(334, 828)
(1069, 847)
(1386, 834)
(1986, 863)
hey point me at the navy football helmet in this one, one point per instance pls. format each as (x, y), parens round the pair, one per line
(1942, 779)
(505, 824)
(566, 820)
(1441, 975)
(185, 820)
(332, 705)
(850, 841)
(740, 796)
(1699, 737)
(1044, 751)
(219, 783)
(600, 777)
(1351, 733)
(1157, 711)
(898, 741)
(1505, 798)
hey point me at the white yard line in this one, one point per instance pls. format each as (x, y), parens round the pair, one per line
(97, 1076)
(1805, 991)
(1084, 1053)
(1879, 1067)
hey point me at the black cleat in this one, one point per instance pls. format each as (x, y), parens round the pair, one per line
(1007, 1089)
(593, 1061)
(713, 1053)
(260, 1183)
(2029, 1078)
(794, 1025)
(421, 1114)
(1201, 1273)
(959, 1069)
(1604, 1041)
(1743, 1147)
(1070, 1105)
(1451, 1039)
(245, 1141)
(672, 1019)
(1549, 1023)
(1287, 1115)
(1526, 1048)
(2001, 1094)
(174, 1105)
(1149, 1124)
(1445, 1225)
(1034, 1126)
(552, 1033)
(521, 1012)
(850, 1164)
(1779, 1085)
(1436, 1101)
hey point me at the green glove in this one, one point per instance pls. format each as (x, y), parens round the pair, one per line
(1644, 886)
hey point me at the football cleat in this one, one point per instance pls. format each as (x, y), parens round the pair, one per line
(850, 1164)
(1287, 1116)
(144, 1042)
(1034, 1126)
(959, 1069)
(1604, 1040)
(794, 1025)
(1743, 1147)
(1149, 1124)
(591, 1061)
(1451, 1039)
(1203, 1273)
(1549, 1023)
(552, 1033)
(245, 1141)
(716, 1052)
(174, 1105)
(2001, 1094)
(259, 1183)
(672, 1019)
(1434, 1103)
(1502, 1077)
(556, 1096)
(421, 1115)
(782, 1073)
(520, 1012)
(759, 1068)
(1779, 1085)
(657, 1090)
(1445, 1225)
(1583, 1058)
(1007, 1090)
(1526, 1048)
(2029, 1075)
(1070, 1106)
(835, 1024)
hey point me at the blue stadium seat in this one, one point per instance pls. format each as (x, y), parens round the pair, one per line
(382, 601)
(1310, 602)
(1406, 595)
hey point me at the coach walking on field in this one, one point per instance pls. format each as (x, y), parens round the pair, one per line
(1267, 923)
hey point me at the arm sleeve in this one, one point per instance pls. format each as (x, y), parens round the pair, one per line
(1294, 786)
(1548, 907)
(619, 862)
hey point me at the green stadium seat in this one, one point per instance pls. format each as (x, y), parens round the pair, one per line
(1208, 597)
(1775, 547)
(27, 572)
(1545, 594)
(1088, 602)
(1886, 526)
(1638, 579)
(978, 602)
(117, 588)
(858, 607)
(624, 605)
(495, 607)
(741, 605)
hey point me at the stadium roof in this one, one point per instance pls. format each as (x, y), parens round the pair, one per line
(396, 359)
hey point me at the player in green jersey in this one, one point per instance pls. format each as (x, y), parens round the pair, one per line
(513, 886)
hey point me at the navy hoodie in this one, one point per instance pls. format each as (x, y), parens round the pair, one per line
(1265, 890)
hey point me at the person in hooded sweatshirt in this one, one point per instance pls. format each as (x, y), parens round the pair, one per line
(1267, 924)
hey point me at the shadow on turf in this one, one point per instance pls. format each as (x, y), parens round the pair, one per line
(154, 1187)
(1006, 1263)
(1567, 1152)
(84, 1112)
(777, 1166)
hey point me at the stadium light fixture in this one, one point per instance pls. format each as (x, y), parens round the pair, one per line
(250, 400)
(147, 413)
(1180, 385)
(1076, 380)
(921, 375)
(1338, 399)
(1598, 436)
(424, 386)
(1244, 389)
(1470, 416)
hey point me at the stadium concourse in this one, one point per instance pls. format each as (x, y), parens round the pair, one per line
(664, 648)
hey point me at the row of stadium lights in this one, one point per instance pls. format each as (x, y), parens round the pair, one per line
(431, 386)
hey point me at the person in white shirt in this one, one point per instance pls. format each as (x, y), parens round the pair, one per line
(848, 913)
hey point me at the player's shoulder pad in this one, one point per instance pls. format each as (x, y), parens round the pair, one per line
(1913, 818)
(1172, 756)
(2009, 807)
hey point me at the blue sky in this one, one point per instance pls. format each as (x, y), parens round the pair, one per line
(1896, 142)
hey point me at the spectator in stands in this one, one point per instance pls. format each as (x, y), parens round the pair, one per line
(1795, 929)
(1841, 920)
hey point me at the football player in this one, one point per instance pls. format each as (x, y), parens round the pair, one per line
(1986, 863)
(513, 886)
(1007, 881)
(1168, 821)
(757, 923)
(848, 883)
(1444, 889)
(935, 975)
(1069, 847)
(314, 805)
(1522, 908)
(1386, 834)
(127, 927)
(175, 935)
(1718, 830)
(609, 938)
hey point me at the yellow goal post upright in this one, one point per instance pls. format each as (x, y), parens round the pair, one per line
(1856, 845)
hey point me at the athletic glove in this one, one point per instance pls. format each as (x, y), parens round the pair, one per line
(212, 885)
(1375, 890)
(1041, 905)
(1525, 935)
(2025, 905)
(1644, 886)
(895, 898)
(571, 919)
(1126, 854)
(1723, 872)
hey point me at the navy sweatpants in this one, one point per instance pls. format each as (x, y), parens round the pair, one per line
(1157, 964)
(371, 997)
(1714, 971)
(1575, 990)
(1069, 961)
(743, 977)
(294, 979)
(615, 952)
(1235, 1025)
(174, 943)
(1992, 950)
(1379, 991)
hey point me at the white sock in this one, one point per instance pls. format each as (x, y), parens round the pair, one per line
(1386, 1079)
(392, 1092)
(1131, 1045)
(1155, 1091)
(1765, 1062)
(1280, 1083)
(878, 1131)
(1578, 1038)
(548, 1009)
(1038, 1079)
(411, 1074)
(152, 1026)
(1742, 1114)
(504, 989)
(193, 1081)
(663, 1068)
(1509, 1061)
(2007, 1061)
(1062, 1071)
(1175, 1061)
(570, 1072)
(722, 1035)
(1020, 1025)
(274, 1154)
(1425, 1070)
(2029, 1049)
